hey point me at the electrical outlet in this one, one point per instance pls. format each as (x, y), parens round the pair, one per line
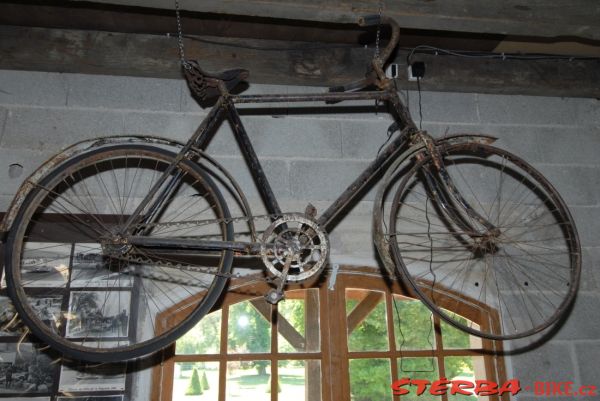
(416, 70)
(392, 71)
(411, 78)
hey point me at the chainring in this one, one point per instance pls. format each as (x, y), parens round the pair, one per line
(297, 237)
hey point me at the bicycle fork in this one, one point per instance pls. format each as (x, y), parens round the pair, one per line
(440, 186)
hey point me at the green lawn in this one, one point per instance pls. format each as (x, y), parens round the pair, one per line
(242, 384)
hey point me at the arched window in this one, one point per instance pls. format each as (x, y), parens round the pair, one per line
(347, 343)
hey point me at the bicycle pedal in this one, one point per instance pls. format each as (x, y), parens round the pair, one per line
(273, 297)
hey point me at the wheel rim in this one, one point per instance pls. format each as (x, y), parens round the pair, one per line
(506, 287)
(93, 297)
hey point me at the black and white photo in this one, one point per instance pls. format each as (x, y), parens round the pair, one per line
(99, 314)
(92, 269)
(10, 324)
(24, 369)
(92, 398)
(96, 377)
(45, 264)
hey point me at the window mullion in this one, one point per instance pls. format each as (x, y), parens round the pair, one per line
(223, 351)
(274, 348)
(389, 300)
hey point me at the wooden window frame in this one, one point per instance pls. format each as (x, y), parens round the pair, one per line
(334, 354)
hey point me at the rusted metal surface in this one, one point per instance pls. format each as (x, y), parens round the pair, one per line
(379, 236)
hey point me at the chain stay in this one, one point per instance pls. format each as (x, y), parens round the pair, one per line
(142, 258)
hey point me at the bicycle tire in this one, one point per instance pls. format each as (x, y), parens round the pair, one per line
(109, 303)
(512, 286)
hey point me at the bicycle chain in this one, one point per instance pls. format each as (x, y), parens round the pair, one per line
(140, 259)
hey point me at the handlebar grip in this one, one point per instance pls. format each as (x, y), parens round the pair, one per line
(369, 20)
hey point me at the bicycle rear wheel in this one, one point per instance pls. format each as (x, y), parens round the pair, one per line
(97, 299)
(505, 286)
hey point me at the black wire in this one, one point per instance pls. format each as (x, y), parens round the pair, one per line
(420, 105)
(425, 49)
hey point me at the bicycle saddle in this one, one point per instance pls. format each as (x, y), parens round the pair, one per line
(206, 85)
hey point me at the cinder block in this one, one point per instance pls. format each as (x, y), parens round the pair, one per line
(362, 139)
(503, 109)
(3, 116)
(588, 355)
(177, 126)
(569, 145)
(294, 137)
(54, 129)
(585, 218)
(589, 112)
(578, 185)
(131, 93)
(590, 275)
(32, 88)
(277, 172)
(323, 180)
(549, 362)
(522, 141)
(583, 322)
(30, 160)
(444, 107)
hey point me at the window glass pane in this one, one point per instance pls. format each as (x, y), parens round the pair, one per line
(204, 338)
(455, 338)
(249, 331)
(413, 324)
(196, 381)
(466, 368)
(370, 379)
(248, 380)
(423, 368)
(298, 322)
(299, 380)
(366, 320)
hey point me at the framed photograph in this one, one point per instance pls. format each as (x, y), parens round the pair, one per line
(45, 264)
(99, 314)
(47, 308)
(25, 370)
(92, 398)
(30, 398)
(103, 377)
(10, 324)
(92, 269)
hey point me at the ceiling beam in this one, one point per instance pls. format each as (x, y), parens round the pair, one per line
(544, 18)
(295, 63)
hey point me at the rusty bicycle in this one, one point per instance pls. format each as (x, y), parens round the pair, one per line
(146, 226)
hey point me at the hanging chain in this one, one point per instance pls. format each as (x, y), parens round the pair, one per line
(378, 30)
(184, 62)
(377, 46)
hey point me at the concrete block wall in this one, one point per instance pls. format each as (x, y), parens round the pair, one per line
(313, 158)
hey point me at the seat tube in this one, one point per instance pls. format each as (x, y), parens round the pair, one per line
(258, 174)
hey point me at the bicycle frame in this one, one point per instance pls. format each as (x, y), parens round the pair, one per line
(226, 105)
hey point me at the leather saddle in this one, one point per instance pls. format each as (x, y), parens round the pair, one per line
(205, 85)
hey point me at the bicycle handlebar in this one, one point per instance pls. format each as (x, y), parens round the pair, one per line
(372, 20)
(377, 73)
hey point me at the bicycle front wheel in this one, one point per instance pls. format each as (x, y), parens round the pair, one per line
(499, 284)
(98, 299)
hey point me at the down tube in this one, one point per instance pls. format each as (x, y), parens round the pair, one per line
(345, 199)
(262, 183)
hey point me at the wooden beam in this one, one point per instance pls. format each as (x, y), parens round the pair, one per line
(308, 64)
(362, 310)
(547, 18)
(284, 327)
